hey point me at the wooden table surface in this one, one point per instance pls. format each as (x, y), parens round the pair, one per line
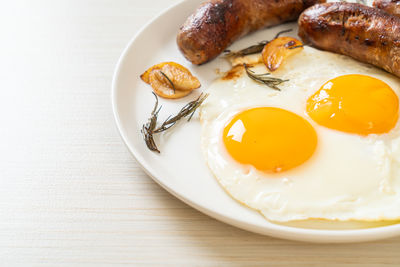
(70, 193)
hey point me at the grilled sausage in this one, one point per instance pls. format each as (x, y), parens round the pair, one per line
(217, 23)
(390, 6)
(365, 33)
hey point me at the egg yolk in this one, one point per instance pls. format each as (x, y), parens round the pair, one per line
(355, 104)
(270, 139)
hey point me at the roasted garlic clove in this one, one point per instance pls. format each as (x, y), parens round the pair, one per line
(146, 75)
(181, 77)
(163, 87)
(276, 51)
(170, 76)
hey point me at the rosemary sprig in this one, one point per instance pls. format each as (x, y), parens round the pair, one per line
(264, 78)
(150, 128)
(254, 48)
(168, 79)
(247, 51)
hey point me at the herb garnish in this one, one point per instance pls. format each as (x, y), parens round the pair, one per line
(149, 128)
(264, 78)
(170, 82)
(254, 49)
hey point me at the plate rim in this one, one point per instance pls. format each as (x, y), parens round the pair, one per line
(275, 230)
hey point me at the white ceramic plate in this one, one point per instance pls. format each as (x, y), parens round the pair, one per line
(180, 168)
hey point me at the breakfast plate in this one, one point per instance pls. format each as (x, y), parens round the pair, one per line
(180, 168)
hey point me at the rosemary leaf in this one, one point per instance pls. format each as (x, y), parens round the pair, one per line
(264, 78)
(187, 110)
(149, 128)
(282, 32)
(247, 51)
(254, 49)
(166, 77)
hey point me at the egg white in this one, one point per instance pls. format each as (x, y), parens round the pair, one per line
(349, 177)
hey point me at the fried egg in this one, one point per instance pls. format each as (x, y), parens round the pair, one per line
(327, 146)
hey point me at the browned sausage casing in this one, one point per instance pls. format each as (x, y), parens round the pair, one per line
(365, 33)
(390, 6)
(217, 23)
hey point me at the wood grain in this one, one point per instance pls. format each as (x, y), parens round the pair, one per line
(70, 193)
